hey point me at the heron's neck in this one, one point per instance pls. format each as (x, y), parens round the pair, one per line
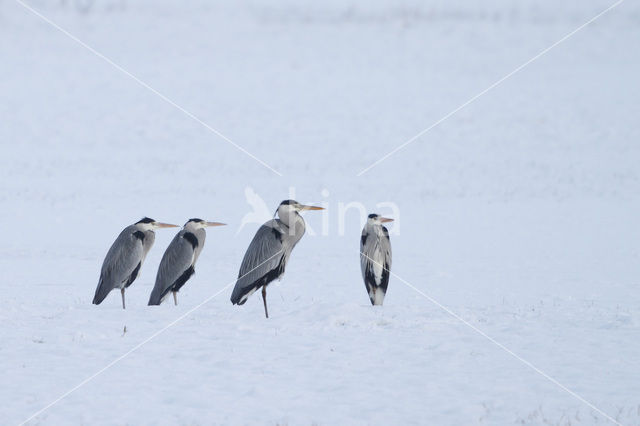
(290, 218)
(376, 229)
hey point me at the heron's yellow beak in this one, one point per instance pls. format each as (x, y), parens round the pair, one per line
(166, 225)
(215, 224)
(311, 208)
(385, 219)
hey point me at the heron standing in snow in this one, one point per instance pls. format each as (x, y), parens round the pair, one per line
(375, 257)
(179, 260)
(124, 259)
(269, 251)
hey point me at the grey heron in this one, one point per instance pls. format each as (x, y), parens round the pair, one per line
(122, 264)
(269, 251)
(375, 257)
(179, 260)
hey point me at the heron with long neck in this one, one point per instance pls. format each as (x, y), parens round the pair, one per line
(124, 259)
(179, 260)
(269, 251)
(375, 257)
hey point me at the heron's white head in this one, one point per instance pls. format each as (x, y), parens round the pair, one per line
(148, 224)
(376, 219)
(199, 224)
(288, 210)
(289, 207)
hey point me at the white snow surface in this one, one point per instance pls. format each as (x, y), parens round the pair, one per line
(518, 214)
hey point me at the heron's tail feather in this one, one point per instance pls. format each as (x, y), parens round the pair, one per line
(161, 290)
(154, 300)
(248, 283)
(157, 295)
(376, 295)
(236, 296)
(101, 292)
(241, 293)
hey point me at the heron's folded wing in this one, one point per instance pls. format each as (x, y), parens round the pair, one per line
(366, 253)
(122, 259)
(177, 259)
(263, 256)
(375, 255)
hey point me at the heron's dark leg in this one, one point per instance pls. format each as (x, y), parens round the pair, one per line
(175, 298)
(264, 300)
(122, 293)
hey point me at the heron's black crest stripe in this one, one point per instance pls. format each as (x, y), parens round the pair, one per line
(189, 236)
(195, 219)
(133, 276)
(139, 235)
(288, 202)
(373, 215)
(145, 220)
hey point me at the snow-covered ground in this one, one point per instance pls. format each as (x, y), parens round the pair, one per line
(519, 214)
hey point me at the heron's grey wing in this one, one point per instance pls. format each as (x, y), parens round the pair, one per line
(364, 257)
(176, 266)
(121, 264)
(262, 263)
(375, 257)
